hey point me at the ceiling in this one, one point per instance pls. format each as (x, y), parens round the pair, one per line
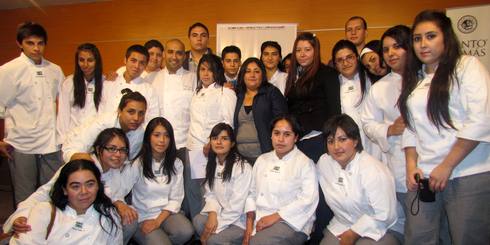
(15, 4)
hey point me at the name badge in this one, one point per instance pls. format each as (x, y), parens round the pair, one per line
(157, 172)
(340, 181)
(39, 73)
(219, 175)
(90, 90)
(78, 226)
(276, 169)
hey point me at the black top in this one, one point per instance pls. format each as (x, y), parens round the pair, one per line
(267, 104)
(323, 101)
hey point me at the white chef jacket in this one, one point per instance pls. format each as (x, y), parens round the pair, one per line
(112, 94)
(361, 196)
(351, 101)
(28, 101)
(146, 76)
(69, 228)
(469, 108)
(209, 106)
(279, 80)
(152, 196)
(81, 139)
(287, 186)
(112, 184)
(174, 92)
(379, 111)
(70, 116)
(228, 198)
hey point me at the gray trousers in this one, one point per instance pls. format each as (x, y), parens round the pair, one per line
(279, 233)
(231, 235)
(466, 203)
(176, 229)
(29, 171)
(194, 191)
(388, 239)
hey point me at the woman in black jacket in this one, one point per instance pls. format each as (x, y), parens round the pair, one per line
(258, 103)
(313, 97)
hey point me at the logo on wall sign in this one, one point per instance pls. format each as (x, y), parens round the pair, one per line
(467, 24)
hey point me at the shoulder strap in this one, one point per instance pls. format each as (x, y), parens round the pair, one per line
(51, 221)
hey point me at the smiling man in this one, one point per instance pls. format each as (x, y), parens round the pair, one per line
(28, 91)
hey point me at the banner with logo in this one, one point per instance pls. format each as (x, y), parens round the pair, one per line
(472, 25)
(250, 36)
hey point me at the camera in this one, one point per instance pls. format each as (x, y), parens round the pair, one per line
(425, 193)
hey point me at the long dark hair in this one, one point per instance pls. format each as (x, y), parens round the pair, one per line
(360, 69)
(444, 77)
(304, 82)
(102, 203)
(375, 46)
(79, 91)
(241, 87)
(146, 155)
(401, 34)
(232, 157)
(215, 65)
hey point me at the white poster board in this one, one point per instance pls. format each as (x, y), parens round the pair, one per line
(472, 26)
(249, 36)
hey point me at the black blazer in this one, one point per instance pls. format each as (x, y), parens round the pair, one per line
(321, 103)
(267, 104)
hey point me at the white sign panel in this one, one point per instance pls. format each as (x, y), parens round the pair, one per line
(249, 36)
(472, 26)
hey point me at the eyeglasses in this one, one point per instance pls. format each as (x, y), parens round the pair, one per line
(112, 149)
(349, 58)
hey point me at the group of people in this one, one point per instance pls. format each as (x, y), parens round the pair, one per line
(294, 150)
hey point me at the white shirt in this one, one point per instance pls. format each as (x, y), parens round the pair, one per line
(69, 228)
(351, 100)
(469, 109)
(279, 80)
(209, 107)
(174, 92)
(287, 186)
(69, 115)
(81, 139)
(28, 101)
(112, 94)
(112, 184)
(228, 198)
(152, 196)
(379, 111)
(361, 196)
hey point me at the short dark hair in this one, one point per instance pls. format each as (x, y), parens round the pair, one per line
(197, 24)
(364, 23)
(293, 122)
(154, 44)
(30, 28)
(231, 49)
(130, 96)
(347, 124)
(273, 44)
(138, 49)
(241, 87)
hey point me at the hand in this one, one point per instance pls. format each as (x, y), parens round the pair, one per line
(210, 228)
(412, 184)
(397, 127)
(81, 156)
(149, 225)
(267, 221)
(349, 237)
(111, 76)
(205, 149)
(20, 226)
(439, 176)
(128, 214)
(246, 236)
(5, 149)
